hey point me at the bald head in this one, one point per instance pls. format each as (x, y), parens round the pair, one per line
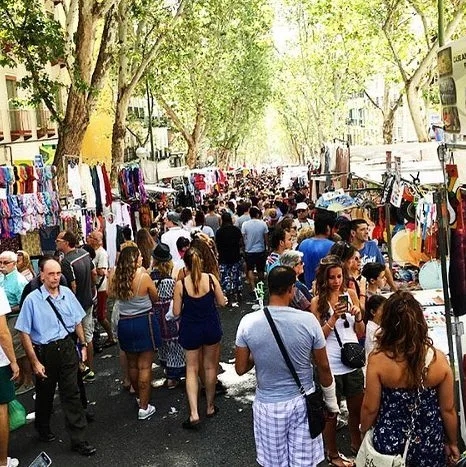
(50, 273)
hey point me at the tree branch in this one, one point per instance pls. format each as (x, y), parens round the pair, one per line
(175, 119)
(425, 26)
(101, 8)
(372, 101)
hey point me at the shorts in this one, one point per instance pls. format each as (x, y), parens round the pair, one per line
(102, 305)
(7, 388)
(256, 260)
(193, 336)
(15, 335)
(88, 325)
(231, 277)
(139, 333)
(281, 431)
(350, 384)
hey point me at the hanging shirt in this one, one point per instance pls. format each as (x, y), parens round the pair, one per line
(74, 180)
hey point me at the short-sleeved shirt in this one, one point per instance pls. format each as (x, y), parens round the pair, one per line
(77, 266)
(38, 319)
(313, 249)
(254, 232)
(301, 334)
(241, 220)
(13, 284)
(228, 239)
(213, 221)
(101, 261)
(370, 253)
(4, 310)
(272, 260)
(171, 236)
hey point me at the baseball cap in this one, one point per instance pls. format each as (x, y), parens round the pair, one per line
(301, 206)
(173, 217)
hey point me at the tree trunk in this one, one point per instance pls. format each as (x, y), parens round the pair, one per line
(118, 135)
(193, 153)
(71, 131)
(419, 122)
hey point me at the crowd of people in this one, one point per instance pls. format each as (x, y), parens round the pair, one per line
(325, 279)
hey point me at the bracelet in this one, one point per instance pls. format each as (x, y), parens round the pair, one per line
(358, 320)
(330, 327)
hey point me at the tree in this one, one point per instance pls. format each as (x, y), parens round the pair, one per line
(141, 29)
(212, 76)
(83, 43)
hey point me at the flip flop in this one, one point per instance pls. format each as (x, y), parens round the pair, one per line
(189, 425)
(215, 412)
(342, 458)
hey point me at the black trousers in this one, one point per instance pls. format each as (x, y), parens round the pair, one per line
(60, 360)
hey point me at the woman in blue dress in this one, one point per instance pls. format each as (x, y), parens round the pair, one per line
(409, 389)
(200, 331)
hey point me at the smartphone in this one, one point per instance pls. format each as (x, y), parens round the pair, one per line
(344, 300)
(42, 460)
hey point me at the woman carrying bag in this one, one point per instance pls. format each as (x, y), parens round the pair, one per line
(409, 398)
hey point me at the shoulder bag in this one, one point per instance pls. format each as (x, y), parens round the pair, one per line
(314, 402)
(57, 313)
(352, 353)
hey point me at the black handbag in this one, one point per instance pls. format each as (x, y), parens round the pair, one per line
(315, 406)
(352, 353)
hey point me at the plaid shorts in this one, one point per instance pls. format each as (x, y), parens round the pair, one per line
(281, 431)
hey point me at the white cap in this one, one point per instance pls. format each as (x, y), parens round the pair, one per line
(302, 206)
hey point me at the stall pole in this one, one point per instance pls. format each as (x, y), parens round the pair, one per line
(388, 229)
(441, 23)
(150, 103)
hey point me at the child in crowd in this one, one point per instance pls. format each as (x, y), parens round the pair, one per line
(375, 276)
(373, 318)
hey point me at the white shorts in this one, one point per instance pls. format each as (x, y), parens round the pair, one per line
(88, 325)
(281, 431)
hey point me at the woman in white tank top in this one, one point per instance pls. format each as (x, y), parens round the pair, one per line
(338, 307)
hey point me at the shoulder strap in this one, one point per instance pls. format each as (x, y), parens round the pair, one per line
(185, 292)
(282, 348)
(337, 335)
(139, 283)
(54, 308)
(211, 283)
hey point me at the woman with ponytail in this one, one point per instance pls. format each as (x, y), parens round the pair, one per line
(200, 331)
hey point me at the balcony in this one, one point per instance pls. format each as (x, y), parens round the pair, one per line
(45, 125)
(20, 124)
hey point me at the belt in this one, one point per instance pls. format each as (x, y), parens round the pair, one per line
(138, 315)
(56, 343)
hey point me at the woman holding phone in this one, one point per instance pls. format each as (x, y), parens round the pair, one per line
(337, 308)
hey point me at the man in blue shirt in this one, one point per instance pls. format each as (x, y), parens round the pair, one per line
(317, 247)
(48, 317)
(368, 249)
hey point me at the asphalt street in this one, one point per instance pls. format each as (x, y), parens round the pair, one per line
(123, 440)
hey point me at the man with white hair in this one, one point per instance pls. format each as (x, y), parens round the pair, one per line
(13, 283)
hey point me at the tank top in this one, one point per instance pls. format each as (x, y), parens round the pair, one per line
(346, 335)
(137, 304)
(198, 309)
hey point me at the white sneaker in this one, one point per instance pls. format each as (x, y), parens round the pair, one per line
(12, 462)
(147, 413)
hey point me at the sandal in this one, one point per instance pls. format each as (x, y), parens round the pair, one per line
(345, 461)
(190, 425)
(215, 412)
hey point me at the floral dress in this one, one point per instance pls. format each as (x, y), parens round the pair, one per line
(171, 354)
(426, 448)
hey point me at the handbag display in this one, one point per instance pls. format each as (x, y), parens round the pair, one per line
(352, 353)
(315, 406)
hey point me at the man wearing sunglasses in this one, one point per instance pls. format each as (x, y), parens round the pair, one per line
(13, 282)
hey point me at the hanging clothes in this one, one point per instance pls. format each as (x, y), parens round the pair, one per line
(87, 186)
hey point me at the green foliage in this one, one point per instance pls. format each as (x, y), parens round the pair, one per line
(216, 66)
(31, 37)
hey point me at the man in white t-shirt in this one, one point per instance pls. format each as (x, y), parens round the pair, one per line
(173, 233)
(9, 371)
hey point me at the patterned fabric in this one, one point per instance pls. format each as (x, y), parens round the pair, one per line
(31, 243)
(231, 277)
(171, 354)
(394, 421)
(281, 431)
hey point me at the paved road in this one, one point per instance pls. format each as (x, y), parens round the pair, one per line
(122, 440)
